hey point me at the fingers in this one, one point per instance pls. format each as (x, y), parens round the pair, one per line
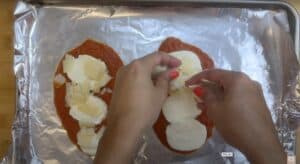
(221, 77)
(211, 101)
(211, 96)
(159, 58)
(162, 81)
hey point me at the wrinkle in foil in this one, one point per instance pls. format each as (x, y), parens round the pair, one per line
(255, 42)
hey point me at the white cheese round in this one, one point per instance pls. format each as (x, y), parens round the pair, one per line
(190, 65)
(88, 140)
(86, 69)
(76, 94)
(180, 105)
(186, 135)
(91, 112)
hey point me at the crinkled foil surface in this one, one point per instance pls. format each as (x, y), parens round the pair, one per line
(254, 41)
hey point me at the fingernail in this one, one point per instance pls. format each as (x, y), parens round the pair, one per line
(173, 74)
(198, 99)
(198, 91)
(193, 86)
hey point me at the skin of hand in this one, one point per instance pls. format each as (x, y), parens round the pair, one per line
(236, 105)
(136, 103)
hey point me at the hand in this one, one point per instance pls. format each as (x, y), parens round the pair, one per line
(136, 103)
(137, 98)
(237, 107)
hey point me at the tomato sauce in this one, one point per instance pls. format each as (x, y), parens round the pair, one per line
(170, 45)
(113, 63)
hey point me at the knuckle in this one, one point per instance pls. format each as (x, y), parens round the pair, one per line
(158, 57)
(135, 63)
(242, 76)
(135, 66)
(257, 85)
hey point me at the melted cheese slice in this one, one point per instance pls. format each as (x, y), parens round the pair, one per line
(88, 140)
(76, 94)
(190, 65)
(86, 69)
(91, 112)
(180, 105)
(186, 135)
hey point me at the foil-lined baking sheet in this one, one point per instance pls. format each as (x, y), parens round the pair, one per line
(254, 41)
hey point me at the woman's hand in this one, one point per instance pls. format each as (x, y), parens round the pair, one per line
(138, 97)
(237, 107)
(136, 103)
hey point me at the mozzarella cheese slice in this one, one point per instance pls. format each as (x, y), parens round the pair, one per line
(190, 65)
(86, 69)
(186, 135)
(76, 94)
(88, 140)
(91, 112)
(180, 105)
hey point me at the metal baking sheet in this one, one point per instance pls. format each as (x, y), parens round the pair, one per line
(258, 38)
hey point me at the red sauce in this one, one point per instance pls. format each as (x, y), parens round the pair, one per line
(113, 63)
(170, 45)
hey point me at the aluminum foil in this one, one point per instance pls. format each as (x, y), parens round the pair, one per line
(254, 41)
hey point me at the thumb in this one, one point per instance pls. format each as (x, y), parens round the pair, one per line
(163, 80)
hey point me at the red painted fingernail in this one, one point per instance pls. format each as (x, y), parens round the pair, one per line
(198, 91)
(173, 74)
